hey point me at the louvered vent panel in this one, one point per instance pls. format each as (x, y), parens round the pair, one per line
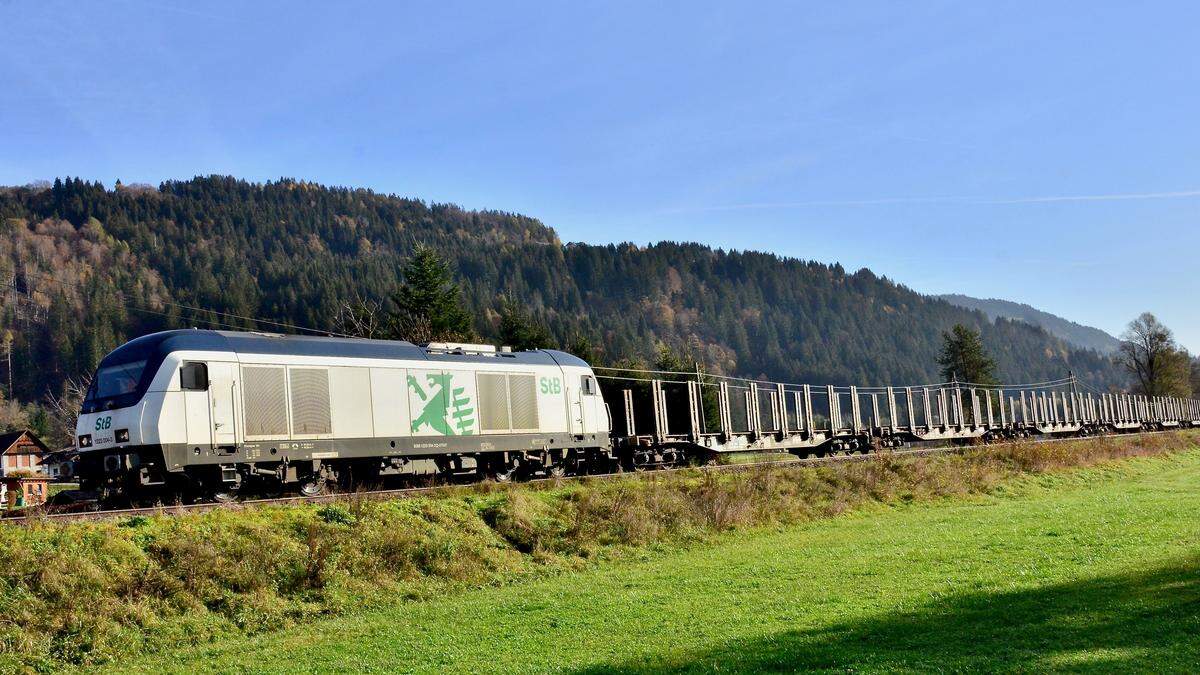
(522, 391)
(266, 402)
(493, 402)
(310, 401)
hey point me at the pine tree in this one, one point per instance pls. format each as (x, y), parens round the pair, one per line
(429, 304)
(519, 330)
(964, 358)
(581, 346)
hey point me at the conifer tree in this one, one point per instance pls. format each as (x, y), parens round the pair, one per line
(428, 305)
(580, 345)
(964, 358)
(519, 330)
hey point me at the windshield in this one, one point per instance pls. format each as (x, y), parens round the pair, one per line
(123, 376)
(116, 380)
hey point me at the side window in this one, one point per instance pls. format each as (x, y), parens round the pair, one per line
(193, 376)
(588, 385)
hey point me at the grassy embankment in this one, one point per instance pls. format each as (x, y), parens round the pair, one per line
(1097, 569)
(91, 593)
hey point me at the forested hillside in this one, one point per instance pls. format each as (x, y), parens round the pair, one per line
(86, 268)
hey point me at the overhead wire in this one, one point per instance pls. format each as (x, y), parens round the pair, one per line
(124, 301)
(1048, 384)
(258, 320)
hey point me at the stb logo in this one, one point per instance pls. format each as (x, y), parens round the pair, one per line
(447, 410)
(103, 423)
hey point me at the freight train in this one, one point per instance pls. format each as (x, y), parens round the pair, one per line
(201, 414)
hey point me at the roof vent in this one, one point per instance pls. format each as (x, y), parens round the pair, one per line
(460, 348)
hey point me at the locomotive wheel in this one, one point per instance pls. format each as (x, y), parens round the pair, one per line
(225, 494)
(312, 486)
(502, 471)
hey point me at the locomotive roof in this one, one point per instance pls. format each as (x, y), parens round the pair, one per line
(169, 341)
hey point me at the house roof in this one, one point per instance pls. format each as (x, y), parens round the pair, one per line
(9, 440)
(60, 455)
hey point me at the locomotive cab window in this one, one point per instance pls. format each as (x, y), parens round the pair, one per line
(193, 376)
(117, 380)
(587, 384)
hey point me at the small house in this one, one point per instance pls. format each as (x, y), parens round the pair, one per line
(60, 464)
(22, 452)
(17, 491)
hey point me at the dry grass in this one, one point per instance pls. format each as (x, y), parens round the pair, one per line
(89, 593)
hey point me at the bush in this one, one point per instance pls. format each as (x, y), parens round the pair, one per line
(336, 514)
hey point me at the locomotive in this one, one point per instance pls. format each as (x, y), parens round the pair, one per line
(207, 413)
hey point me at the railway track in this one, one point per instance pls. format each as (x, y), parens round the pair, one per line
(408, 492)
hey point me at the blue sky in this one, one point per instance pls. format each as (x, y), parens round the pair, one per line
(1047, 153)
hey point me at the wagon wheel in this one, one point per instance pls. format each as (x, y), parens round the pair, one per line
(640, 467)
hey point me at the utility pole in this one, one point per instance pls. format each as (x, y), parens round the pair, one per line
(961, 414)
(8, 343)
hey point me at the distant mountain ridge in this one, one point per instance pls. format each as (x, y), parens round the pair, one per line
(1073, 333)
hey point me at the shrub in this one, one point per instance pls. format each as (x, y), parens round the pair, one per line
(336, 514)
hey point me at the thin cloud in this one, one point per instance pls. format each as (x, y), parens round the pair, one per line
(820, 202)
(1128, 196)
(1098, 198)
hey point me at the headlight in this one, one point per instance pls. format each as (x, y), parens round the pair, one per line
(122, 435)
(85, 441)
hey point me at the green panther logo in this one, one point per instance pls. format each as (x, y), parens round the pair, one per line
(443, 400)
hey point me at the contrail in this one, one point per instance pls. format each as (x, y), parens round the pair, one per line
(1098, 198)
(1182, 194)
(821, 202)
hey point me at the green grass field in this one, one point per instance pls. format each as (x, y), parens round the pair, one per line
(1091, 569)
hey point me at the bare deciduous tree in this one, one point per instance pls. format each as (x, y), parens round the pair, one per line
(63, 409)
(415, 329)
(362, 318)
(1149, 353)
